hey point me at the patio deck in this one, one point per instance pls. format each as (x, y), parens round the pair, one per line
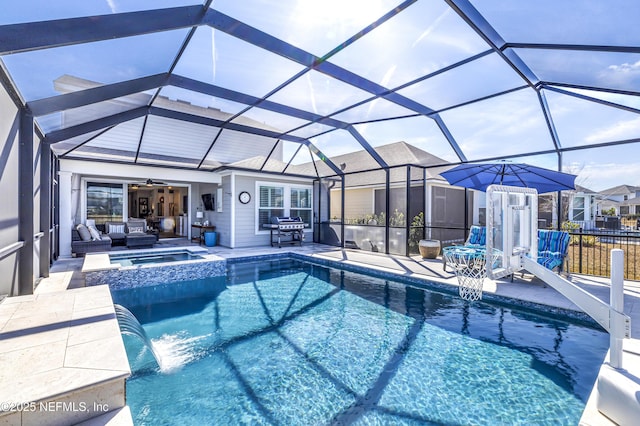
(65, 274)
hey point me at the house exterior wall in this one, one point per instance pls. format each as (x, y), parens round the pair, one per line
(222, 219)
(358, 202)
(72, 173)
(9, 178)
(586, 203)
(245, 216)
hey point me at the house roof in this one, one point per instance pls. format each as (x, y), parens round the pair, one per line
(620, 190)
(397, 154)
(584, 190)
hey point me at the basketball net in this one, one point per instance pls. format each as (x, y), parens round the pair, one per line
(470, 269)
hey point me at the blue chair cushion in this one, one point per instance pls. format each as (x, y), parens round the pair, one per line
(553, 247)
(477, 236)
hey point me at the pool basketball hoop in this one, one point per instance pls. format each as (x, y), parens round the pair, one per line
(470, 266)
(512, 227)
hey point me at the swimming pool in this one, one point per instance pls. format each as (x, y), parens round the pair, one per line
(290, 342)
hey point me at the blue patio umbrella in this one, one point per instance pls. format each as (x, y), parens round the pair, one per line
(480, 175)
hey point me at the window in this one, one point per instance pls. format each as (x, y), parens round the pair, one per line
(104, 201)
(271, 204)
(301, 204)
(578, 209)
(283, 200)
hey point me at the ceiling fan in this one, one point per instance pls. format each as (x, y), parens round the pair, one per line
(148, 182)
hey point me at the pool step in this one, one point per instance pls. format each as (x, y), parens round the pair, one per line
(613, 400)
(64, 356)
(618, 390)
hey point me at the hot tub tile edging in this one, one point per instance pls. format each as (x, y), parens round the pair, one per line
(148, 275)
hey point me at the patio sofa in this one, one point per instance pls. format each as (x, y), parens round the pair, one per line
(81, 243)
(132, 233)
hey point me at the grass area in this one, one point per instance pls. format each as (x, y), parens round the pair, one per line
(596, 259)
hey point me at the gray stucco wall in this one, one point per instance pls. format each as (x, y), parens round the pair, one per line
(9, 127)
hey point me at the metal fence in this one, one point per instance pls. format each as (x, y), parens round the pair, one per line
(590, 252)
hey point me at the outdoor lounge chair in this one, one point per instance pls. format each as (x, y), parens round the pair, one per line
(553, 249)
(477, 238)
(81, 246)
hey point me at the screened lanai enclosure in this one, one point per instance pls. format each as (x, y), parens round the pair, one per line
(365, 101)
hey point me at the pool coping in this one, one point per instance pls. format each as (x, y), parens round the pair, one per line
(61, 348)
(101, 261)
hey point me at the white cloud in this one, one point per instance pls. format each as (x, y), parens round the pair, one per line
(626, 67)
(618, 131)
(599, 176)
(623, 75)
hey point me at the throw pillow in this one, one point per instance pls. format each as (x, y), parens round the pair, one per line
(85, 235)
(95, 234)
(115, 229)
(136, 229)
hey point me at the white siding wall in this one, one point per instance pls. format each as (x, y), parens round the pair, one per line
(245, 214)
(223, 219)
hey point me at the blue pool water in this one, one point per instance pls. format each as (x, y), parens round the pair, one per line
(147, 258)
(292, 343)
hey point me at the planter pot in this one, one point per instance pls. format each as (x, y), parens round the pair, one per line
(429, 249)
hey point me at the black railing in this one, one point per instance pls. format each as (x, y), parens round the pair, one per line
(590, 252)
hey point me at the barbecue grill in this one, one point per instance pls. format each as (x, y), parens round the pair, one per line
(292, 228)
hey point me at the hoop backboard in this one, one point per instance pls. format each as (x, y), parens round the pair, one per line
(512, 227)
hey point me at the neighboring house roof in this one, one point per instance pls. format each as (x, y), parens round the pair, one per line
(584, 190)
(620, 190)
(395, 154)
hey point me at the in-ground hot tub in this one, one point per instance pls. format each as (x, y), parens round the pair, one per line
(128, 259)
(137, 268)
